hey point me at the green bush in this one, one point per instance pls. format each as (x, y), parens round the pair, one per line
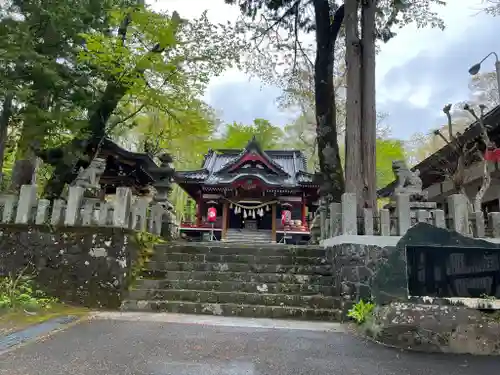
(361, 311)
(21, 293)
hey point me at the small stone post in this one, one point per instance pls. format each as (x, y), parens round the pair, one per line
(335, 222)
(139, 214)
(368, 221)
(385, 222)
(494, 222)
(88, 211)
(459, 213)
(156, 220)
(422, 216)
(122, 204)
(349, 214)
(42, 211)
(57, 212)
(75, 198)
(9, 202)
(26, 203)
(479, 229)
(322, 219)
(439, 219)
(403, 213)
(104, 208)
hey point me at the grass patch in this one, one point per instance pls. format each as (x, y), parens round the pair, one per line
(23, 304)
(12, 320)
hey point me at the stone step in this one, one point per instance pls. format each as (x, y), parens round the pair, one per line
(236, 286)
(239, 258)
(238, 267)
(267, 299)
(233, 241)
(222, 248)
(240, 277)
(232, 309)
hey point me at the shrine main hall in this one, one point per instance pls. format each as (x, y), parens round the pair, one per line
(250, 190)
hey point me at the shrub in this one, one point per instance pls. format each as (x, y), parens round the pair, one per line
(20, 292)
(361, 311)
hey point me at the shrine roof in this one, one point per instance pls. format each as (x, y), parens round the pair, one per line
(431, 167)
(288, 167)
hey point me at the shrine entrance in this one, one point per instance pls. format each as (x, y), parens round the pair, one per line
(250, 218)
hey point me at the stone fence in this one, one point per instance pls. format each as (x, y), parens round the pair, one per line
(342, 218)
(122, 211)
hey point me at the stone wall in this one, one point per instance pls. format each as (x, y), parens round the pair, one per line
(364, 272)
(436, 328)
(88, 266)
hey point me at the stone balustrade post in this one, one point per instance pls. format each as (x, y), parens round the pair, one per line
(423, 216)
(139, 214)
(104, 208)
(368, 221)
(27, 202)
(9, 203)
(322, 219)
(335, 222)
(459, 213)
(57, 215)
(479, 227)
(74, 205)
(42, 211)
(438, 218)
(385, 222)
(403, 213)
(121, 207)
(494, 224)
(349, 214)
(156, 219)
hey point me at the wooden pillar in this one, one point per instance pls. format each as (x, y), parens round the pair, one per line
(225, 209)
(198, 212)
(273, 223)
(303, 212)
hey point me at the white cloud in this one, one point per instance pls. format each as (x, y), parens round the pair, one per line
(411, 41)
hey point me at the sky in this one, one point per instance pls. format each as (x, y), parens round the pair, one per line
(418, 71)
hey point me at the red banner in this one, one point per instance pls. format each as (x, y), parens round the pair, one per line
(212, 214)
(286, 216)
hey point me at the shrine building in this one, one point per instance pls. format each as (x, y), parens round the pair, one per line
(250, 189)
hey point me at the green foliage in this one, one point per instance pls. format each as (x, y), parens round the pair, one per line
(21, 292)
(361, 311)
(236, 136)
(145, 243)
(387, 150)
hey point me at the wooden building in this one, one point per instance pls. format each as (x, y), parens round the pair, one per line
(249, 189)
(439, 187)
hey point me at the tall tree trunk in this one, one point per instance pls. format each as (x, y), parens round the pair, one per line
(369, 115)
(353, 151)
(327, 31)
(7, 110)
(25, 165)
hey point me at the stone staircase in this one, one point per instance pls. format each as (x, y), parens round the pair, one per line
(272, 281)
(248, 236)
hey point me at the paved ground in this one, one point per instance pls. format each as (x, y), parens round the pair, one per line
(171, 345)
